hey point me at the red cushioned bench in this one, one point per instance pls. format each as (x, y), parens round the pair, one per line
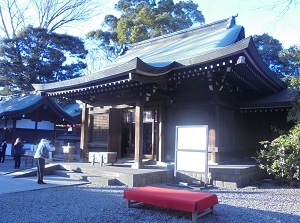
(196, 202)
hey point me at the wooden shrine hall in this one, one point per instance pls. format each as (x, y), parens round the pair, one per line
(207, 75)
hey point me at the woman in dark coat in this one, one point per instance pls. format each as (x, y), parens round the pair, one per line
(18, 147)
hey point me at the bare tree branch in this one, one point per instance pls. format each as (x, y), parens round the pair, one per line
(12, 15)
(54, 14)
(49, 14)
(3, 27)
(283, 5)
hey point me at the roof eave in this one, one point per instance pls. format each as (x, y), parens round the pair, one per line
(18, 114)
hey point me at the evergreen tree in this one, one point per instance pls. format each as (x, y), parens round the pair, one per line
(269, 49)
(291, 59)
(36, 56)
(141, 20)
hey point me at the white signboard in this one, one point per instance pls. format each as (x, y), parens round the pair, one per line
(194, 138)
(191, 161)
(191, 149)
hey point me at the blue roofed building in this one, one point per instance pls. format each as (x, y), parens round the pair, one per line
(31, 117)
(210, 75)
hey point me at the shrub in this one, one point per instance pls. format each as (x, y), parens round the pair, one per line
(281, 157)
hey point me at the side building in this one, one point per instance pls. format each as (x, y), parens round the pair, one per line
(31, 117)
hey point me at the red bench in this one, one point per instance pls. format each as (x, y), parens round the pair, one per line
(196, 202)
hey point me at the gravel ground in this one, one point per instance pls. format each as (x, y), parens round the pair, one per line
(263, 202)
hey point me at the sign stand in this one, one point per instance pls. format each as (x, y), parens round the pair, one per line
(191, 149)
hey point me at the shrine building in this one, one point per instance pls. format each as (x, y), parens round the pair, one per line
(208, 75)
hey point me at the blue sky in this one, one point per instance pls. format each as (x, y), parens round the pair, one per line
(257, 17)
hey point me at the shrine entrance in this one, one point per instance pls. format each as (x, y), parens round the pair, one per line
(149, 134)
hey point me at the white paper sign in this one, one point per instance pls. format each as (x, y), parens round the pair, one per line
(191, 148)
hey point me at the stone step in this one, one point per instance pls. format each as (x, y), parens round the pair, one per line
(94, 179)
(123, 174)
(49, 169)
(65, 157)
(69, 174)
(102, 181)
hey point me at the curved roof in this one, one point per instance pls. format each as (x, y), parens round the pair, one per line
(277, 100)
(73, 109)
(182, 45)
(218, 53)
(159, 55)
(33, 106)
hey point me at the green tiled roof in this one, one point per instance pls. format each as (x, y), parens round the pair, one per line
(162, 53)
(179, 46)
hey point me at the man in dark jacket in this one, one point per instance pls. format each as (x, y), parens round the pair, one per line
(3, 150)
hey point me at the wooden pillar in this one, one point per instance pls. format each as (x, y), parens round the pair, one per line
(138, 154)
(36, 140)
(130, 135)
(55, 133)
(160, 150)
(213, 135)
(85, 133)
(153, 134)
(14, 136)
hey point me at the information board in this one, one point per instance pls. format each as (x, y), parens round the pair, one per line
(191, 148)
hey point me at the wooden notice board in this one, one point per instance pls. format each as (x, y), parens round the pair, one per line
(191, 148)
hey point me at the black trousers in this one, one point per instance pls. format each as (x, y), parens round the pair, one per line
(17, 161)
(40, 163)
(3, 155)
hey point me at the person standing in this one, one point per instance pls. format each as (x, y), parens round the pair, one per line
(41, 159)
(0, 151)
(18, 147)
(3, 145)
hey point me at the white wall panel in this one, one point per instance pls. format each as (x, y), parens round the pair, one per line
(25, 124)
(46, 125)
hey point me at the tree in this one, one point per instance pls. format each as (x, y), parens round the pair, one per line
(12, 17)
(281, 156)
(141, 20)
(26, 55)
(52, 15)
(269, 49)
(291, 59)
(284, 6)
(37, 56)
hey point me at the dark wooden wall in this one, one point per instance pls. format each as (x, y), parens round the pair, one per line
(115, 131)
(236, 134)
(259, 126)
